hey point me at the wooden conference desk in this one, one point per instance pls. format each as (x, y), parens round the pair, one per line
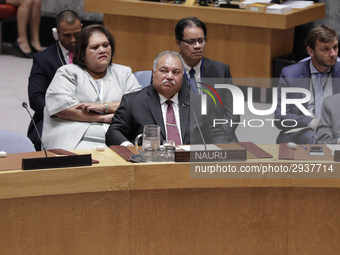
(247, 41)
(116, 207)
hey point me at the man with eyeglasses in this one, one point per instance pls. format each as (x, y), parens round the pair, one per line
(201, 72)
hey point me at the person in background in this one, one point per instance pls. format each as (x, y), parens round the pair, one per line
(83, 97)
(165, 103)
(319, 75)
(199, 71)
(328, 129)
(45, 65)
(28, 17)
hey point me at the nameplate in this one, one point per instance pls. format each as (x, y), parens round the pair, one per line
(210, 155)
(336, 156)
(229, 5)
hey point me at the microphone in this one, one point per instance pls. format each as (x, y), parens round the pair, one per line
(187, 104)
(24, 104)
(212, 155)
(53, 162)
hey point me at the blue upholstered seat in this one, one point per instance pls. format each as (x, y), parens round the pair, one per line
(13, 142)
(144, 77)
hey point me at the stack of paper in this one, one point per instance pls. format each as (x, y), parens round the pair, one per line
(299, 4)
(279, 9)
(246, 2)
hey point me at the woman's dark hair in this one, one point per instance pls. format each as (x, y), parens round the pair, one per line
(82, 41)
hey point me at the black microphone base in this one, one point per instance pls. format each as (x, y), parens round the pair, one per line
(229, 5)
(56, 162)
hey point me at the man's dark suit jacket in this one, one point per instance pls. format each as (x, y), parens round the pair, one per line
(45, 65)
(143, 107)
(214, 72)
(298, 76)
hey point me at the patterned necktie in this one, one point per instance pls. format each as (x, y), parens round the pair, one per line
(70, 57)
(171, 127)
(193, 83)
(318, 95)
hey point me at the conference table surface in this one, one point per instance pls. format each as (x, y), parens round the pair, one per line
(119, 207)
(113, 173)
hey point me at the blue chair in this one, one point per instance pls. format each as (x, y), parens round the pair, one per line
(13, 142)
(144, 77)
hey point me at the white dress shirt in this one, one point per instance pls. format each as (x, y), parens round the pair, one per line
(65, 52)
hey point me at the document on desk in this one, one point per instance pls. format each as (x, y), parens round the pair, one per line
(279, 9)
(199, 147)
(298, 4)
(255, 1)
(334, 147)
(246, 2)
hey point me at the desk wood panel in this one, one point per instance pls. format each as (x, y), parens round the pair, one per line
(178, 176)
(314, 225)
(78, 224)
(138, 46)
(209, 221)
(65, 181)
(158, 209)
(140, 40)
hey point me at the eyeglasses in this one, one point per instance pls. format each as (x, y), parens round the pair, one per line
(192, 42)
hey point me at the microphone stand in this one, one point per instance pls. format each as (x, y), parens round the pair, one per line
(53, 162)
(24, 104)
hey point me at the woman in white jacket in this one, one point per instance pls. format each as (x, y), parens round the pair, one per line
(83, 96)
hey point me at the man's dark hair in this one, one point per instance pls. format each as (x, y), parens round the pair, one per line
(82, 41)
(322, 33)
(188, 22)
(68, 16)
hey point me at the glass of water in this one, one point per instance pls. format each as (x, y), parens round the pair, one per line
(162, 154)
(149, 154)
(170, 147)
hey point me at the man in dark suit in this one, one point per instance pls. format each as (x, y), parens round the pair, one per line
(46, 63)
(191, 38)
(320, 76)
(151, 106)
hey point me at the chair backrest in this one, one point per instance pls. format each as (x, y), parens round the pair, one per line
(13, 142)
(144, 77)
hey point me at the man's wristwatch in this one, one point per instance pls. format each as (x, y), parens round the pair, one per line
(106, 108)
